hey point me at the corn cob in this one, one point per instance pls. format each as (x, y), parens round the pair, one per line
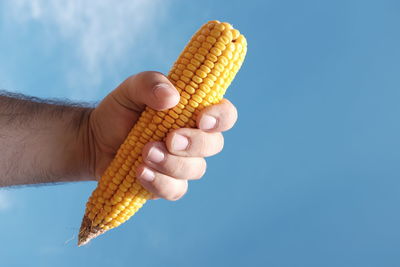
(202, 73)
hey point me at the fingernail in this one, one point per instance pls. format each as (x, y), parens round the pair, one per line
(147, 175)
(155, 155)
(207, 122)
(179, 142)
(163, 90)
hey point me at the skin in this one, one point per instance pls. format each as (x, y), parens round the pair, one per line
(54, 142)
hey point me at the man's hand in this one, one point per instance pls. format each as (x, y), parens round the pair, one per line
(46, 141)
(167, 166)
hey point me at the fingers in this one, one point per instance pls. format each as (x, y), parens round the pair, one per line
(217, 118)
(166, 169)
(156, 156)
(194, 143)
(160, 184)
(146, 88)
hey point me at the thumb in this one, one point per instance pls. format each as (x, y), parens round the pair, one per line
(147, 88)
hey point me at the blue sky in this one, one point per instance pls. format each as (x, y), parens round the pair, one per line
(309, 176)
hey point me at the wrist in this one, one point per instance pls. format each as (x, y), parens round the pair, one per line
(83, 156)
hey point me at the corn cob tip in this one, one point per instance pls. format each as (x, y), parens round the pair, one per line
(88, 232)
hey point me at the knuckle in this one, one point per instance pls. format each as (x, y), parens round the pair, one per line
(219, 143)
(229, 106)
(202, 144)
(171, 190)
(145, 74)
(229, 115)
(202, 169)
(175, 197)
(131, 78)
(150, 75)
(164, 192)
(175, 166)
(179, 194)
(234, 113)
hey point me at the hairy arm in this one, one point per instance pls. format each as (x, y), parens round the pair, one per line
(42, 141)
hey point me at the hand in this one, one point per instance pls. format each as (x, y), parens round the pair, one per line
(167, 166)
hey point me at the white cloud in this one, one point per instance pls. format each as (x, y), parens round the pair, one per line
(101, 32)
(5, 201)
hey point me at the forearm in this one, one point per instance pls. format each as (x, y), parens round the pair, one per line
(42, 142)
